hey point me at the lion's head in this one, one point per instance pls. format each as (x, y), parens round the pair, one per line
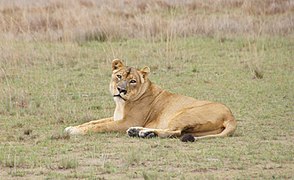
(128, 83)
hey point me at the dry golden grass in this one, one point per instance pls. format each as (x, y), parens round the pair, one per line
(58, 20)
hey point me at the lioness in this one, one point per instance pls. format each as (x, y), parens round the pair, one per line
(145, 110)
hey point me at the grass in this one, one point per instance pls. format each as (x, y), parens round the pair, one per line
(68, 163)
(55, 59)
(153, 20)
(47, 86)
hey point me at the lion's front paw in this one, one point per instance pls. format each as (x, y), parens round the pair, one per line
(73, 131)
(147, 134)
(134, 131)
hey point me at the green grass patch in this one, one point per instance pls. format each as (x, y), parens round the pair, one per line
(46, 87)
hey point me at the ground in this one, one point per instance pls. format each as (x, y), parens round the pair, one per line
(47, 86)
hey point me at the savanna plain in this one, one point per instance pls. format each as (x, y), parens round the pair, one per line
(55, 67)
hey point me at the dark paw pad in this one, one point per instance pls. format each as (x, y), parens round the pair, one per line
(147, 134)
(133, 132)
(187, 138)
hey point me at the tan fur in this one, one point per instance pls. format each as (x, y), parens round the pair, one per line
(144, 109)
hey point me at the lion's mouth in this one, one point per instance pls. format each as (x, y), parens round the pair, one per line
(118, 95)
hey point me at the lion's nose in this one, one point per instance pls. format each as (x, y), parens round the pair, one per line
(122, 90)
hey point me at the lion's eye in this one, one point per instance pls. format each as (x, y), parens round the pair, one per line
(118, 76)
(133, 81)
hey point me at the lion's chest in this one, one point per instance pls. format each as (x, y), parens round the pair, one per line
(119, 109)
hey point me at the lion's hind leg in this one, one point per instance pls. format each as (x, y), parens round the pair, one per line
(229, 129)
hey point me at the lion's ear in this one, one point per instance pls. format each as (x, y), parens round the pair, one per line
(117, 64)
(145, 72)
